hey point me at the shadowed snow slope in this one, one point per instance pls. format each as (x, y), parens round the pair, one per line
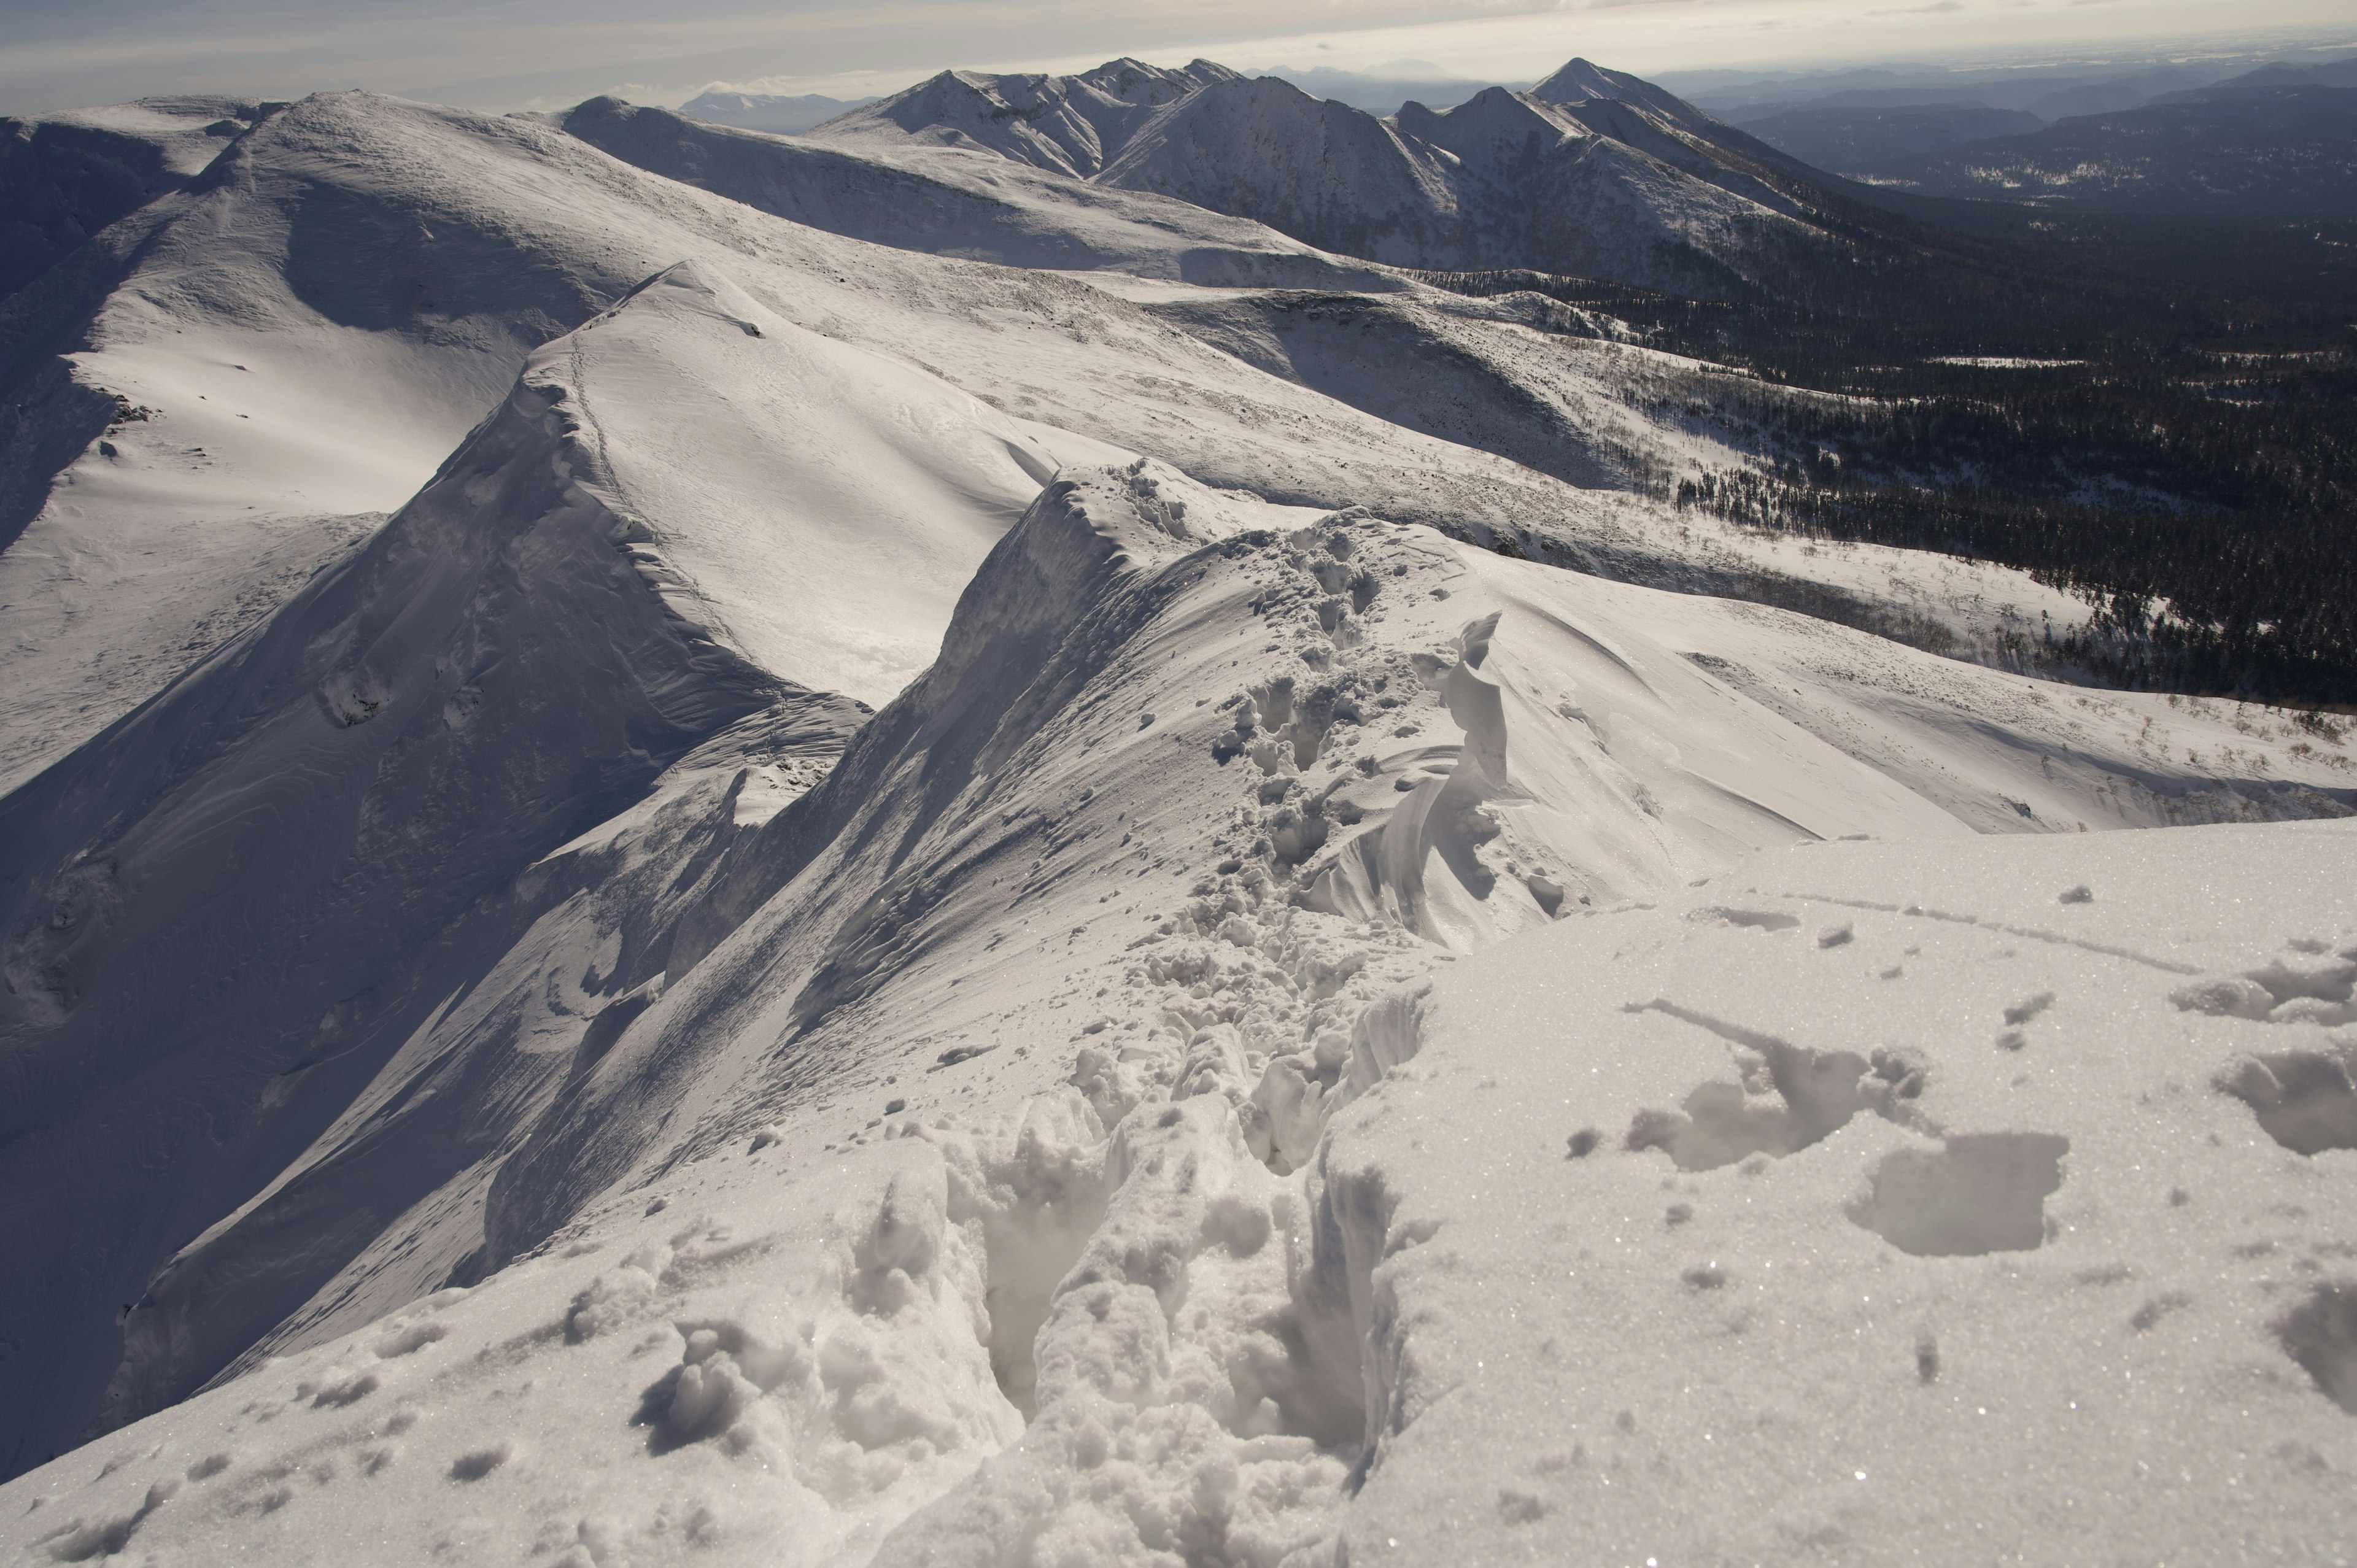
(227, 911)
(65, 177)
(781, 1155)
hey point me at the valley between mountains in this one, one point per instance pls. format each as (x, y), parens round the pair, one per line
(975, 840)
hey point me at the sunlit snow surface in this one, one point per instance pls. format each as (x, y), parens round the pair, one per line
(1745, 1227)
(1287, 1037)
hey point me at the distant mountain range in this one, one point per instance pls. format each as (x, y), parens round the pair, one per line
(1898, 134)
(1591, 172)
(2275, 146)
(1600, 173)
(1072, 125)
(770, 112)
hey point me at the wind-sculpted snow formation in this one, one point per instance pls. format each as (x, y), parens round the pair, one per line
(1030, 1076)
(1287, 1035)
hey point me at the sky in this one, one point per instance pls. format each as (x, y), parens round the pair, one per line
(507, 54)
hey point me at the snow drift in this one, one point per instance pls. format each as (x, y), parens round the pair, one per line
(1022, 1078)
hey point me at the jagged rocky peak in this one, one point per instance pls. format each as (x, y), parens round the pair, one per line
(1582, 82)
(1494, 123)
(1072, 125)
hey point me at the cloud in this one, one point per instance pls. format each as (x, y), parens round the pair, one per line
(499, 54)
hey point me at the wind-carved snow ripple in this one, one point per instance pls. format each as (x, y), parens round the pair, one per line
(2305, 1099)
(1787, 1097)
(1978, 1193)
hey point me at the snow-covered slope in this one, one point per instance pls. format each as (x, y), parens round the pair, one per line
(679, 508)
(1265, 149)
(1031, 1076)
(961, 202)
(214, 397)
(65, 177)
(1072, 125)
(1592, 172)
(1291, 1033)
(1201, 776)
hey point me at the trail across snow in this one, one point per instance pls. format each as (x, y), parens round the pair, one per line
(1031, 1141)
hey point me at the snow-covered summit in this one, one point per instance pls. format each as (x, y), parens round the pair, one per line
(1594, 172)
(1582, 82)
(1073, 124)
(64, 176)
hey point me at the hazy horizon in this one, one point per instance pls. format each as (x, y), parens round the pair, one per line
(512, 54)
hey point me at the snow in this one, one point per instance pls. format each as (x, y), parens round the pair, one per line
(1592, 173)
(369, 344)
(960, 201)
(875, 927)
(1918, 1212)
(786, 1226)
(1071, 125)
(825, 505)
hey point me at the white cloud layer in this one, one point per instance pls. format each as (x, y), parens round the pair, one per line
(524, 53)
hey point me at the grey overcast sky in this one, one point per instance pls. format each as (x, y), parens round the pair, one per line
(503, 54)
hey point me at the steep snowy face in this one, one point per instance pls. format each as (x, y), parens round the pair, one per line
(1316, 169)
(1599, 187)
(1072, 125)
(677, 507)
(963, 203)
(65, 177)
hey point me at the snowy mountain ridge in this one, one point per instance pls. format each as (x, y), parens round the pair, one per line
(1131, 902)
(1591, 172)
(1071, 125)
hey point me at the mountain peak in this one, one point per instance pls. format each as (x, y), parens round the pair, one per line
(1071, 125)
(1581, 78)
